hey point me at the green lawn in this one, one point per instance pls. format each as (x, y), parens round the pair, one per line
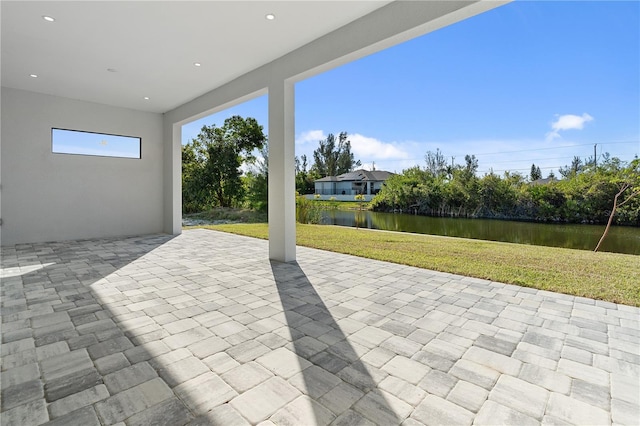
(605, 276)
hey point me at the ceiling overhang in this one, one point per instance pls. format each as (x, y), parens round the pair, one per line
(121, 53)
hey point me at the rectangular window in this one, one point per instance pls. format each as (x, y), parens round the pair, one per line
(90, 143)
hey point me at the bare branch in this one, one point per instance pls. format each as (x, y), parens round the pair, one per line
(633, 194)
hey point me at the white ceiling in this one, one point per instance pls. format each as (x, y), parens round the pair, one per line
(152, 46)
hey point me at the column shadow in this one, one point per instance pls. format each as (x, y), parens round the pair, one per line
(318, 338)
(47, 291)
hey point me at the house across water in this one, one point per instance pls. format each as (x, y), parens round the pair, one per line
(345, 186)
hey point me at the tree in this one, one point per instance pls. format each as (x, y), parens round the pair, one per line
(400, 190)
(583, 197)
(535, 173)
(436, 163)
(497, 196)
(194, 196)
(471, 165)
(575, 168)
(346, 161)
(257, 181)
(331, 158)
(628, 182)
(304, 179)
(213, 161)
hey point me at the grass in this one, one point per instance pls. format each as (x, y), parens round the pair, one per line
(605, 276)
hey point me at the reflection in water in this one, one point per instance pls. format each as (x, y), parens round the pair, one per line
(621, 239)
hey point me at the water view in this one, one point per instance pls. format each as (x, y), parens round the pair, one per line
(621, 239)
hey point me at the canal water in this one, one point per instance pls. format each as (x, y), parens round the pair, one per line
(621, 239)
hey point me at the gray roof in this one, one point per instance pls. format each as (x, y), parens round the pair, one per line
(543, 181)
(358, 176)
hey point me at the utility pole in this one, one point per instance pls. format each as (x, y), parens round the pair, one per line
(595, 159)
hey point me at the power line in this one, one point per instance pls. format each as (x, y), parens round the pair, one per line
(618, 142)
(555, 147)
(532, 159)
(517, 170)
(523, 150)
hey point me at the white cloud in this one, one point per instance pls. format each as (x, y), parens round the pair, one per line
(387, 156)
(367, 149)
(567, 122)
(313, 136)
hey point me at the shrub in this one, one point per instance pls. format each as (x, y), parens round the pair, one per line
(307, 211)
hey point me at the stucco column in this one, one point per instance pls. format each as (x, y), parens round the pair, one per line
(172, 178)
(282, 186)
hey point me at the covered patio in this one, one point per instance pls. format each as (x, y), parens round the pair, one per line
(111, 314)
(202, 328)
(142, 70)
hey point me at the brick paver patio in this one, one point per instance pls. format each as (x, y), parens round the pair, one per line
(203, 329)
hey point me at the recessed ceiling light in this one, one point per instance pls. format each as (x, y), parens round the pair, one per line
(197, 64)
(146, 98)
(33, 75)
(48, 18)
(270, 17)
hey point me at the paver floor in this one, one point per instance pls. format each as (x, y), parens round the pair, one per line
(203, 329)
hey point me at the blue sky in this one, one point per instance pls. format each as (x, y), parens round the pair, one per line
(99, 144)
(528, 82)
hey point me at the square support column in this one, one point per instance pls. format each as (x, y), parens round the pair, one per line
(282, 186)
(172, 178)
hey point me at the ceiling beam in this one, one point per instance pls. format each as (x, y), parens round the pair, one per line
(392, 24)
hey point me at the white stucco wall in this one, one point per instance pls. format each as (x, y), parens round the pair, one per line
(53, 197)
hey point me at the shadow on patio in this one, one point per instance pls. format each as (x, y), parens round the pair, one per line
(204, 329)
(75, 339)
(327, 356)
(148, 330)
